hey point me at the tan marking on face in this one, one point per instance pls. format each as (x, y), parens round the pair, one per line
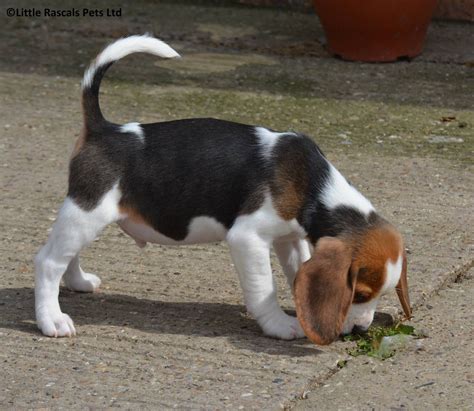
(377, 246)
(363, 292)
(363, 288)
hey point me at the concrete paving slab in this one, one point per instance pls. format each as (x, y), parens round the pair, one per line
(434, 374)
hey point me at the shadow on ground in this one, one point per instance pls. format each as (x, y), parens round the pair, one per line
(183, 318)
(150, 316)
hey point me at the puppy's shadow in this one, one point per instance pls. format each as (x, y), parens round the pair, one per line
(151, 316)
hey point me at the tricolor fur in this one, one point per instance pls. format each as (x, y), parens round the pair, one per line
(204, 180)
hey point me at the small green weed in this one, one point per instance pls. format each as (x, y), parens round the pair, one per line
(370, 342)
(341, 364)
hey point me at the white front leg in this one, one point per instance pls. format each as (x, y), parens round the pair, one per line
(251, 256)
(292, 254)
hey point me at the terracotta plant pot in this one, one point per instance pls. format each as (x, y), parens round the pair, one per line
(375, 30)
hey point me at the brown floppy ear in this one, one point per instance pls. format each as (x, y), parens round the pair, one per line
(323, 289)
(402, 289)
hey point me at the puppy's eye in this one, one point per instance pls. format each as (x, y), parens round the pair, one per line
(361, 297)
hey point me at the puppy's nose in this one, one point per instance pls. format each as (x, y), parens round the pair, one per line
(359, 329)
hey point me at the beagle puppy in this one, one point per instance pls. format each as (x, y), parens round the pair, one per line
(204, 180)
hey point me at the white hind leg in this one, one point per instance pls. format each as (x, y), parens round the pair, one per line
(77, 280)
(73, 230)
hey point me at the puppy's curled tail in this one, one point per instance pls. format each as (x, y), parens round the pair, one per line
(93, 118)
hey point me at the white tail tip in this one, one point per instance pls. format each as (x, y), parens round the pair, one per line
(125, 46)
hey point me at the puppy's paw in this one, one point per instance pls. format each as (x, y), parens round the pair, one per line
(284, 327)
(55, 324)
(85, 283)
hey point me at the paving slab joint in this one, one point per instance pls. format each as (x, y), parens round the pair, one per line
(457, 275)
(312, 385)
